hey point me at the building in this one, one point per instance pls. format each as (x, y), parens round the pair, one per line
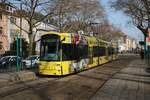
(6, 10)
(127, 44)
(10, 24)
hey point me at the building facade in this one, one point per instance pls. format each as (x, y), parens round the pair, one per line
(10, 24)
(127, 44)
(5, 10)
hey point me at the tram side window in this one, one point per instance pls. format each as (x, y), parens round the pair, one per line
(117, 49)
(96, 51)
(109, 50)
(84, 51)
(67, 52)
(113, 51)
(102, 51)
(76, 52)
(80, 51)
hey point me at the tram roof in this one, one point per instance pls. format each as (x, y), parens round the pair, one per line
(57, 33)
(90, 38)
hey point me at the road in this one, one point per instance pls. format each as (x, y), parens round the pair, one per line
(86, 85)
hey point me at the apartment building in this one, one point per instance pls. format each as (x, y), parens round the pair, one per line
(6, 11)
(127, 43)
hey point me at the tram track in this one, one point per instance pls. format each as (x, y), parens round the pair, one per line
(15, 88)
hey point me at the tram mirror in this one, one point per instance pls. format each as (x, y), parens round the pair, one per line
(63, 39)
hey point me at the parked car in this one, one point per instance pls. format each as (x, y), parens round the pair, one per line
(1, 58)
(7, 61)
(31, 61)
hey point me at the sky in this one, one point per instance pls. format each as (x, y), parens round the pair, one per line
(120, 20)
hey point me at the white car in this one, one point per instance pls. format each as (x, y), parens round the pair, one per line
(31, 61)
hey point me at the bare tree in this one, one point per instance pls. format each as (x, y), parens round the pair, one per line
(62, 13)
(85, 13)
(34, 11)
(108, 32)
(74, 15)
(139, 10)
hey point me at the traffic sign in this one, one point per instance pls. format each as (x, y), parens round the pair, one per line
(148, 40)
(148, 37)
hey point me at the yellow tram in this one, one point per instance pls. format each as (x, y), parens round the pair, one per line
(66, 53)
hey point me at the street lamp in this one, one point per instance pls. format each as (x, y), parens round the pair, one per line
(97, 27)
(18, 38)
(20, 26)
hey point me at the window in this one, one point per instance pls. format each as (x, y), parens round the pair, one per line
(67, 52)
(1, 30)
(96, 51)
(102, 51)
(10, 9)
(1, 45)
(74, 52)
(110, 50)
(50, 49)
(13, 33)
(7, 8)
(50, 52)
(82, 51)
(85, 51)
(0, 16)
(13, 20)
(115, 50)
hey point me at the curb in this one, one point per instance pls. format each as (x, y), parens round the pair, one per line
(16, 77)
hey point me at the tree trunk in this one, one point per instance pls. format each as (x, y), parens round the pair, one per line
(30, 43)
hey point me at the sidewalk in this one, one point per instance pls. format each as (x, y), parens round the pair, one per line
(131, 83)
(16, 77)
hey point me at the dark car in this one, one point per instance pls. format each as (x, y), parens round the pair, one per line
(8, 61)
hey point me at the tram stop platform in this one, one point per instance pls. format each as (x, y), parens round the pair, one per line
(16, 77)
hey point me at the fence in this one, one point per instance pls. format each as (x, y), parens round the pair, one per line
(12, 66)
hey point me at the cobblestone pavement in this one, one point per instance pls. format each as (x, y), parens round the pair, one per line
(131, 83)
(124, 79)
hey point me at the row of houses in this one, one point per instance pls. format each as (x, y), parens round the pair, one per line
(128, 44)
(10, 22)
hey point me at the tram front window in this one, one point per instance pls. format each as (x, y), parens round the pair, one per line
(50, 51)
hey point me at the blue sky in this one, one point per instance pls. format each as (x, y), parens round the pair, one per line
(120, 20)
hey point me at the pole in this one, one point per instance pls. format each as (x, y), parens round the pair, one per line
(17, 51)
(21, 34)
(61, 57)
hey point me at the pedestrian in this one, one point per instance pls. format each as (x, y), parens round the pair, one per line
(142, 54)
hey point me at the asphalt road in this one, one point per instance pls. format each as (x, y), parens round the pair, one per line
(85, 85)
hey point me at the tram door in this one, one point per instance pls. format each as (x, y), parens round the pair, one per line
(90, 55)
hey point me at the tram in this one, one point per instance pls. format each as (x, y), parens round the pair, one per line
(66, 53)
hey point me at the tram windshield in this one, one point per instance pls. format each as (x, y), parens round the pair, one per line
(50, 49)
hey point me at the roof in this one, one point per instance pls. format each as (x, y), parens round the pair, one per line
(4, 4)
